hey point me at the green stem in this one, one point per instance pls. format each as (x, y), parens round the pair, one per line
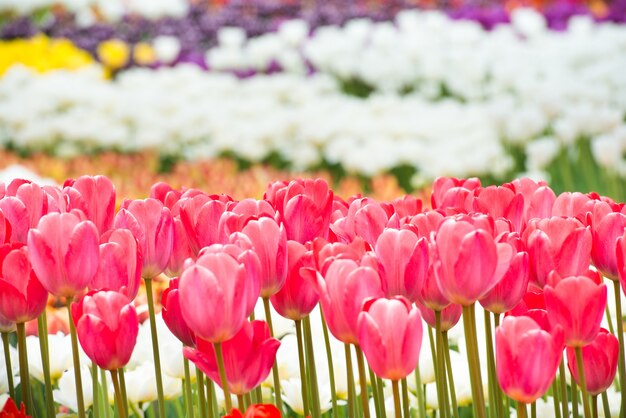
(241, 403)
(396, 399)
(122, 378)
(136, 412)
(419, 389)
(620, 338)
(555, 398)
(121, 410)
(7, 363)
(247, 400)
(574, 399)
(201, 398)
(405, 398)
(188, 397)
(380, 384)
(95, 407)
(375, 396)
(363, 382)
(605, 405)
(350, 377)
(211, 397)
(312, 371)
(446, 351)
(155, 348)
(533, 409)
(594, 406)
(331, 369)
(105, 393)
(583, 383)
(494, 388)
(75, 355)
(564, 403)
(222, 371)
(42, 326)
(521, 410)
(277, 391)
(439, 362)
(474, 361)
(607, 312)
(24, 373)
(303, 377)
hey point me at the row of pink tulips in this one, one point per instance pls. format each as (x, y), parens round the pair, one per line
(375, 268)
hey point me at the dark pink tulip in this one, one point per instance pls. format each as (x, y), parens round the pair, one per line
(270, 244)
(390, 335)
(576, 304)
(248, 357)
(599, 362)
(511, 288)
(211, 293)
(605, 233)
(620, 256)
(468, 261)
(107, 327)
(5, 229)
(173, 317)
(402, 263)
(454, 195)
(450, 315)
(120, 264)
(527, 358)
(558, 243)
(64, 253)
(200, 216)
(22, 297)
(530, 300)
(304, 206)
(95, 197)
(343, 290)
(151, 223)
(299, 295)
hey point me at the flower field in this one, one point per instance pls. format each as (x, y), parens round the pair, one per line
(389, 208)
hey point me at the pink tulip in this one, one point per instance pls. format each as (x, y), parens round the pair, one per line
(343, 291)
(500, 202)
(181, 250)
(605, 233)
(325, 253)
(151, 223)
(64, 253)
(426, 223)
(166, 194)
(299, 295)
(304, 206)
(403, 263)
(5, 229)
(22, 297)
(390, 335)
(120, 263)
(366, 218)
(450, 315)
(620, 258)
(527, 358)
(406, 206)
(577, 304)
(95, 197)
(248, 357)
(511, 289)
(107, 327)
(599, 362)
(173, 317)
(200, 216)
(454, 195)
(211, 293)
(468, 261)
(538, 198)
(558, 243)
(270, 244)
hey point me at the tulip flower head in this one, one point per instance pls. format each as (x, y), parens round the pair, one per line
(599, 362)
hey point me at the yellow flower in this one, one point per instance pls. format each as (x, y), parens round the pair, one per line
(143, 54)
(114, 53)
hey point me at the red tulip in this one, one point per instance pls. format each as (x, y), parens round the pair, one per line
(120, 263)
(527, 358)
(107, 327)
(270, 244)
(450, 315)
(468, 261)
(248, 357)
(151, 223)
(200, 216)
(557, 243)
(10, 410)
(5, 229)
(531, 300)
(22, 297)
(343, 291)
(390, 335)
(576, 304)
(304, 206)
(256, 411)
(95, 197)
(173, 316)
(605, 233)
(403, 263)
(299, 295)
(599, 362)
(211, 293)
(64, 253)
